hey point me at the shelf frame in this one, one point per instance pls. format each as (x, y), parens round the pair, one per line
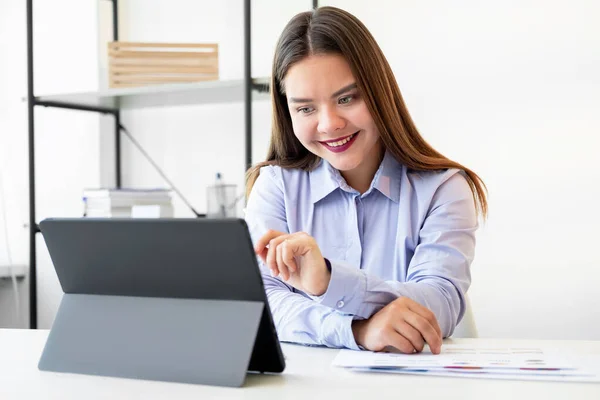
(114, 102)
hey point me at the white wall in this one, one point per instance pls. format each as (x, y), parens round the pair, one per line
(67, 158)
(13, 145)
(507, 88)
(511, 90)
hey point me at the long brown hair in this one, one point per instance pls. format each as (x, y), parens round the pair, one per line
(330, 30)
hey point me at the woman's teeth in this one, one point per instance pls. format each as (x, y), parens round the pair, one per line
(341, 142)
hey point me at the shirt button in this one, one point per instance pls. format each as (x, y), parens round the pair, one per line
(340, 304)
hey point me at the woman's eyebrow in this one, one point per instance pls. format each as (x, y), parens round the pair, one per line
(345, 89)
(337, 93)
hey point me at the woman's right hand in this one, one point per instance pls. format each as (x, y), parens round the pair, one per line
(404, 325)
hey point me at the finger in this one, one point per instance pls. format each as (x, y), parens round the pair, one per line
(411, 334)
(300, 243)
(271, 259)
(397, 342)
(263, 254)
(283, 270)
(265, 239)
(425, 330)
(427, 314)
(288, 257)
(428, 331)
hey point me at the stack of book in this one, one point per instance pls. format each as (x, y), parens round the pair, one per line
(123, 203)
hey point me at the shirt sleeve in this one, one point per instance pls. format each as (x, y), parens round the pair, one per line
(439, 272)
(297, 317)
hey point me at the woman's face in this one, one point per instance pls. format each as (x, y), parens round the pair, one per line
(329, 115)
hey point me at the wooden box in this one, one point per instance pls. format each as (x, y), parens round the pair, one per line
(140, 64)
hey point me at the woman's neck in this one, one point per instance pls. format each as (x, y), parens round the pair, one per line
(361, 177)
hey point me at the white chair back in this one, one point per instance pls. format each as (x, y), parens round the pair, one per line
(466, 327)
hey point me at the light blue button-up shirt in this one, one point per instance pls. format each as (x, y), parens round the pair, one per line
(411, 234)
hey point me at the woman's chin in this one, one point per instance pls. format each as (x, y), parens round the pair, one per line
(342, 163)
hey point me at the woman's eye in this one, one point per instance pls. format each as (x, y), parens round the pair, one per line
(305, 110)
(345, 100)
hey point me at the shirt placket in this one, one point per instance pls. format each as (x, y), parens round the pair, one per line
(354, 252)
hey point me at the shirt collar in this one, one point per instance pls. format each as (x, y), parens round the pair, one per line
(324, 179)
(388, 176)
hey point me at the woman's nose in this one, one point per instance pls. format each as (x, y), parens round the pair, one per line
(330, 121)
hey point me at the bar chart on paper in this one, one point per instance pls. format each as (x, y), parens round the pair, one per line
(535, 363)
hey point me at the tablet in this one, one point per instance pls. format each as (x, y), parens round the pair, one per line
(165, 299)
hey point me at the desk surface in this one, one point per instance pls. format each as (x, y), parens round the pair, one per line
(309, 375)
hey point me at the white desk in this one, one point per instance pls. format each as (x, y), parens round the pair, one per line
(308, 376)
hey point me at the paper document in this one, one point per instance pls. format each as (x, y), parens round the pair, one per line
(463, 360)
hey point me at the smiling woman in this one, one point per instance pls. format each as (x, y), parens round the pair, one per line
(365, 232)
(330, 118)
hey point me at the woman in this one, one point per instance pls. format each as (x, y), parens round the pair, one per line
(365, 232)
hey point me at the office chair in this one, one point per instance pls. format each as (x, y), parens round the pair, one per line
(466, 327)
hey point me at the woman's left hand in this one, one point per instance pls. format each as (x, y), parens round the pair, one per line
(295, 257)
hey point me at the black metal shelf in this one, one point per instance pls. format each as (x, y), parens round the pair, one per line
(111, 100)
(6, 271)
(114, 100)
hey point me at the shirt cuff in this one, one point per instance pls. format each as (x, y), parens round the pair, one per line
(346, 290)
(336, 331)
